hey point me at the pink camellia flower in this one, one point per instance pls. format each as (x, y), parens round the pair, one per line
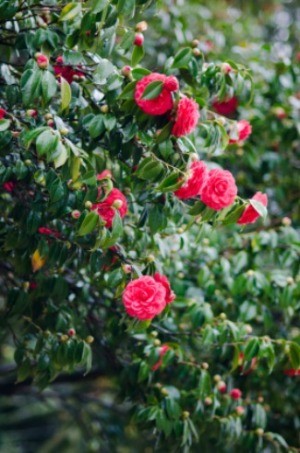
(144, 298)
(244, 130)
(138, 39)
(9, 186)
(192, 187)
(42, 61)
(292, 372)
(105, 174)
(48, 232)
(107, 209)
(250, 215)
(240, 410)
(163, 102)
(2, 113)
(220, 189)
(226, 107)
(187, 116)
(65, 71)
(170, 295)
(235, 394)
(162, 351)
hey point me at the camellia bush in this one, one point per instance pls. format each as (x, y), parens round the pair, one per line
(139, 311)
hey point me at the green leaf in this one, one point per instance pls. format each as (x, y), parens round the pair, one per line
(294, 355)
(89, 224)
(259, 208)
(104, 69)
(137, 55)
(150, 169)
(66, 94)
(117, 228)
(170, 183)
(47, 143)
(126, 8)
(153, 90)
(49, 86)
(157, 219)
(96, 126)
(182, 58)
(97, 5)
(61, 155)
(252, 349)
(232, 216)
(31, 85)
(4, 125)
(70, 11)
(139, 73)
(204, 384)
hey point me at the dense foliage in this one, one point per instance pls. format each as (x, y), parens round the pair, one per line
(123, 144)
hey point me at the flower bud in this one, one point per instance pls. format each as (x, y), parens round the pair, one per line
(286, 221)
(223, 316)
(64, 131)
(208, 401)
(71, 332)
(117, 204)
(89, 339)
(104, 108)
(42, 60)
(141, 26)
(217, 378)
(164, 391)
(48, 116)
(259, 432)
(226, 68)
(222, 387)
(150, 258)
(88, 204)
(240, 410)
(185, 415)
(204, 366)
(126, 71)
(50, 123)
(138, 39)
(195, 42)
(250, 273)
(32, 113)
(196, 52)
(248, 329)
(127, 269)
(290, 281)
(157, 342)
(154, 333)
(64, 338)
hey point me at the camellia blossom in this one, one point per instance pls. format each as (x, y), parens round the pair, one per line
(65, 71)
(226, 107)
(163, 103)
(250, 215)
(162, 351)
(42, 61)
(187, 116)
(107, 209)
(292, 372)
(146, 297)
(220, 189)
(2, 113)
(235, 394)
(9, 186)
(170, 295)
(48, 232)
(244, 129)
(197, 176)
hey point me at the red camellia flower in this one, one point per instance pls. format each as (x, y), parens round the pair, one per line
(2, 113)
(162, 351)
(197, 176)
(235, 394)
(107, 208)
(170, 296)
(163, 102)
(187, 116)
(144, 298)
(42, 61)
(292, 372)
(244, 130)
(220, 189)
(48, 232)
(226, 107)
(250, 215)
(65, 71)
(9, 186)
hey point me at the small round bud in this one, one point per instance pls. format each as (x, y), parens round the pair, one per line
(104, 108)
(32, 113)
(71, 332)
(141, 26)
(196, 52)
(240, 410)
(75, 214)
(26, 286)
(64, 131)
(164, 391)
(279, 112)
(171, 84)
(195, 42)
(248, 329)
(138, 39)
(50, 123)
(194, 157)
(260, 399)
(150, 258)
(180, 230)
(154, 333)
(259, 432)
(127, 269)
(226, 68)
(286, 221)
(205, 241)
(42, 60)
(185, 415)
(157, 342)
(290, 281)
(117, 204)
(217, 378)
(88, 204)
(240, 152)
(204, 365)
(48, 116)
(126, 71)
(222, 387)
(89, 339)
(64, 338)
(28, 162)
(223, 316)
(208, 401)
(250, 273)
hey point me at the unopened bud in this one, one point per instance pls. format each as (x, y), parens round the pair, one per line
(208, 401)
(50, 123)
(248, 329)
(71, 332)
(117, 204)
(164, 391)
(104, 108)
(250, 273)
(290, 281)
(150, 258)
(64, 338)
(259, 432)
(31, 113)
(226, 68)
(154, 333)
(89, 339)
(204, 365)
(141, 26)
(223, 316)
(48, 116)
(240, 410)
(217, 378)
(185, 415)
(195, 42)
(88, 204)
(127, 268)
(64, 131)
(126, 71)
(157, 342)
(286, 221)
(196, 52)
(75, 214)
(138, 39)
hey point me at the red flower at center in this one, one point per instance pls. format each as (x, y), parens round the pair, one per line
(107, 208)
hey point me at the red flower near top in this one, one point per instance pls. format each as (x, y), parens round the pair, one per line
(226, 107)
(107, 209)
(220, 189)
(2, 113)
(250, 215)
(198, 174)
(145, 298)
(187, 116)
(65, 71)
(163, 103)
(162, 279)
(162, 351)
(244, 130)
